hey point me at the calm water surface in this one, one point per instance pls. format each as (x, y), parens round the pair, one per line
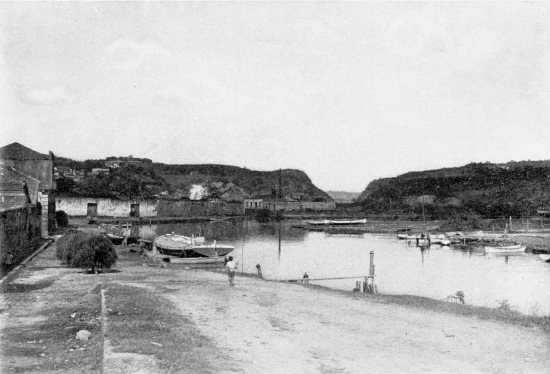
(286, 253)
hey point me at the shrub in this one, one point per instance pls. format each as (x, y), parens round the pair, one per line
(61, 218)
(67, 245)
(95, 252)
(266, 215)
(81, 250)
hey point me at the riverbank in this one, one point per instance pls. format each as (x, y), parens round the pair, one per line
(136, 312)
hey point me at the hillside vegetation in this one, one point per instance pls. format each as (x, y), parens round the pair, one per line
(488, 190)
(148, 180)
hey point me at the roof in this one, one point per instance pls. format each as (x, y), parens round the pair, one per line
(16, 151)
(12, 180)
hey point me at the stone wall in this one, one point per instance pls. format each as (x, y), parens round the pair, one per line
(299, 206)
(78, 206)
(47, 203)
(190, 208)
(20, 232)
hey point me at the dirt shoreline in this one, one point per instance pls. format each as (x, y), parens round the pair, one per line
(258, 326)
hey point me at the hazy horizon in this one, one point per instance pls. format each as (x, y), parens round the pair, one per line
(347, 92)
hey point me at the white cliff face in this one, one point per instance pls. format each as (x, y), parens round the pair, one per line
(197, 192)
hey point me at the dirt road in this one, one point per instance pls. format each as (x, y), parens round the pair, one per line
(269, 327)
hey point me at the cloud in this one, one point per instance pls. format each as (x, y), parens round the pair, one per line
(130, 55)
(52, 96)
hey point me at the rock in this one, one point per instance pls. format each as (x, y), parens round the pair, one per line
(83, 335)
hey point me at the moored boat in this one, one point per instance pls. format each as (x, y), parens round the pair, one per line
(505, 248)
(347, 221)
(319, 223)
(188, 247)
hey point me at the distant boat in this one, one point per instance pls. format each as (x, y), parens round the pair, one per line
(543, 210)
(347, 221)
(545, 258)
(319, 223)
(505, 249)
(185, 246)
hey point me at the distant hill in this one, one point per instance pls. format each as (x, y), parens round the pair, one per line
(343, 197)
(194, 181)
(516, 188)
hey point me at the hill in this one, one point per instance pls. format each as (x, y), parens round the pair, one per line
(132, 178)
(486, 189)
(343, 196)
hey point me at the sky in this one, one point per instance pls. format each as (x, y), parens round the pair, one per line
(348, 92)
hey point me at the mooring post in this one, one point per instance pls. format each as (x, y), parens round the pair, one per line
(369, 280)
(371, 263)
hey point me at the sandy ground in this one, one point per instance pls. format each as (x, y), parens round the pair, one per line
(270, 327)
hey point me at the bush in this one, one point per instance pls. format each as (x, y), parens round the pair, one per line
(96, 252)
(266, 215)
(61, 218)
(81, 250)
(67, 245)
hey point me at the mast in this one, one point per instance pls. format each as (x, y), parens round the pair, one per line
(280, 183)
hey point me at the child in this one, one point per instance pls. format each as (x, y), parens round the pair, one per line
(231, 267)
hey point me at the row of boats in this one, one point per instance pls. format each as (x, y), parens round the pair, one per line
(173, 244)
(457, 238)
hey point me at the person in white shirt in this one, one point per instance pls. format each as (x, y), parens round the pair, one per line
(231, 267)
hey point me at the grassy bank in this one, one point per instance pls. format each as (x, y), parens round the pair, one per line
(504, 313)
(142, 322)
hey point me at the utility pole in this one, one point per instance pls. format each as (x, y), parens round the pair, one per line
(280, 184)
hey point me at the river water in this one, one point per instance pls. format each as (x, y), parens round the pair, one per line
(284, 253)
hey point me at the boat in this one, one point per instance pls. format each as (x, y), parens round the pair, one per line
(347, 221)
(115, 238)
(543, 210)
(407, 236)
(318, 223)
(185, 246)
(505, 248)
(545, 258)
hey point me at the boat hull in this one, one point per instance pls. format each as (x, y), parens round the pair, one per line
(189, 247)
(347, 222)
(505, 249)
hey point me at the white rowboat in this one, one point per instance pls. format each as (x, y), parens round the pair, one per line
(505, 249)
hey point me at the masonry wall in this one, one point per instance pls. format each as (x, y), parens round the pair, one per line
(39, 169)
(297, 206)
(189, 208)
(78, 206)
(317, 205)
(20, 232)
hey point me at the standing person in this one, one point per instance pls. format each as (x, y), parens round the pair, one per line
(8, 261)
(231, 267)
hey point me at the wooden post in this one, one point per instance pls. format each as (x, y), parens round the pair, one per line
(371, 263)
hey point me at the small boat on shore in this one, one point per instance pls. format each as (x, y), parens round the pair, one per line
(545, 258)
(189, 247)
(115, 238)
(505, 248)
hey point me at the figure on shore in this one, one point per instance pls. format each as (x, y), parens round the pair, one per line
(8, 261)
(259, 268)
(231, 267)
(305, 278)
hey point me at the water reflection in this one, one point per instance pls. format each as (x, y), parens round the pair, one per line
(437, 271)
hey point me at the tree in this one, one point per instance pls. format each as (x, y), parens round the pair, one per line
(81, 250)
(96, 252)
